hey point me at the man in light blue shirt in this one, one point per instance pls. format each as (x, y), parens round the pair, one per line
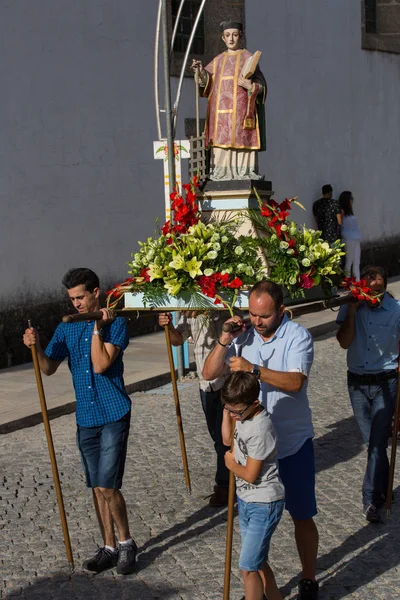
(370, 333)
(279, 353)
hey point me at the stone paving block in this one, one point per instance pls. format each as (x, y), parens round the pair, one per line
(181, 540)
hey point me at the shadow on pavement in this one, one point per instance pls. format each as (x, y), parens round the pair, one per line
(179, 533)
(81, 586)
(376, 547)
(341, 444)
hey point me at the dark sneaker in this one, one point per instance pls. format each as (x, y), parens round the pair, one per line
(308, 590)
(126, 558)
(102, 560)
(219, 497)
(372, 514)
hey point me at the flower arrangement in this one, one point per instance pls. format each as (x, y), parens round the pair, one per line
(361, 291)
(298, 258)
(208, 260)
(211, 262)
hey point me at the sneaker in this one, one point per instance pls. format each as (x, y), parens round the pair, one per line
(102, 560)
(308, 590)
(219, 497)
(372, 514)
(126, 558)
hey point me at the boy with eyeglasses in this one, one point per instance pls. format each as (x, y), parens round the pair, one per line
(259, 490)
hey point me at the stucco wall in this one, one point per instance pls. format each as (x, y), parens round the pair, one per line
(333, 113)
(78, 183)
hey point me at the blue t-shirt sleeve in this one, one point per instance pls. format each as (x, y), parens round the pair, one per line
(57, 348)
(117, 333)
(342, 314)
(301, 353)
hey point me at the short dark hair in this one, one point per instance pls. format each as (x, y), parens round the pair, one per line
(326, 189)
(372, 271)
(345, 199)
(240, 387)
(81, 276)
(268, 287)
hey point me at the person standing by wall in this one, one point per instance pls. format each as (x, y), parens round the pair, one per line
(328, 215)
(351, 235)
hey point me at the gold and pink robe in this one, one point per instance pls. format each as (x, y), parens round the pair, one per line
(235, 117)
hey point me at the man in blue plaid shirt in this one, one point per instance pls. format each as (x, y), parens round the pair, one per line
(103, 409)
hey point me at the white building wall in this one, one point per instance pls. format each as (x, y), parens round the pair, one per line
(78, 183)
(333, 110)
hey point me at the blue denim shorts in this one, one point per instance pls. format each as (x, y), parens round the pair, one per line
(297, 473)
(258, 521)
(103, 452)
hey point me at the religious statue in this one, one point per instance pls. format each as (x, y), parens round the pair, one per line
(235, 122)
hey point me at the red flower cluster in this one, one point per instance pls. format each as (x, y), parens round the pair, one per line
(208, 284)
(276, 215)
(185, 209)
(360, 290)
(306, 282)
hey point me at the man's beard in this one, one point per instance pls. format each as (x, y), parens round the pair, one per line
(270, 330)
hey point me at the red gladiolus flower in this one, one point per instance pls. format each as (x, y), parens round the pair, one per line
(306, 282)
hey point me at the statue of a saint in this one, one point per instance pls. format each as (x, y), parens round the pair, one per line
(235, 123)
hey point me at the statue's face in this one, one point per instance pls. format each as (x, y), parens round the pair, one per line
(231, 38)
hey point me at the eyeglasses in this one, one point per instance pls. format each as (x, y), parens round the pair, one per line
(237, 413)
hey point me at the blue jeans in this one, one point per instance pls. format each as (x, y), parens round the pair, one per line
(212, 407)
(373, 407)
(258, 521)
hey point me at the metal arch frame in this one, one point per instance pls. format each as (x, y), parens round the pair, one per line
(188, 49)
(185, 60)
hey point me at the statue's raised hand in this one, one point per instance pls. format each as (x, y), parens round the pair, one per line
(197, 65)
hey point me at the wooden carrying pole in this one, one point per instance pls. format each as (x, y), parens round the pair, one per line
(52, 454)
(178, 409)
(229, 528)
(389, 493)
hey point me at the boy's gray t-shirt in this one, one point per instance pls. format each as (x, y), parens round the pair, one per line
(256, 438)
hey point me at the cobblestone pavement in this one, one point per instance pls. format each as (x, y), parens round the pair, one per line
(182, 541)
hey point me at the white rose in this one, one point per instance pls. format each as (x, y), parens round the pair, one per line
(217, 246)
(293, 280)
(224, 239)
(250, 271)
(302, 248)
(305, 262)
(290, 251)
(293, 230)
(227, 271)
(215, 237)
(239, 250)
(284, 227)
(212, 254)
(208, 272)
(284, 245)
(311, 257)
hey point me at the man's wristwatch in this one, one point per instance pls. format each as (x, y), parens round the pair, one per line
(97, 332)
(256, 371)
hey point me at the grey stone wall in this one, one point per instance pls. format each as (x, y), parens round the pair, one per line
(387, 36)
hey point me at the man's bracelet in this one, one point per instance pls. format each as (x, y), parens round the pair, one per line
(97, 332)
(223, 345)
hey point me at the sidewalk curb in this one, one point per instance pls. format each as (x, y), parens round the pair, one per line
(144, 385)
